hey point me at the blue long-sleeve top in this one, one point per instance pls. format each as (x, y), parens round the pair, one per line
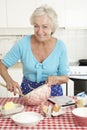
(55, 64)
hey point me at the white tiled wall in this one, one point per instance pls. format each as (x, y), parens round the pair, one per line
(5, 45)
(76, 42)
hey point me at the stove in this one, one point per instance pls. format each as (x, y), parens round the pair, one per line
(78, 70)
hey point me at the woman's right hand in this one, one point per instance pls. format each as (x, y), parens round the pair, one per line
(13, 87)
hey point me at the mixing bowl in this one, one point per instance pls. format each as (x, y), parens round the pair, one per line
(37, 96)
(27, 119)
(80, 115)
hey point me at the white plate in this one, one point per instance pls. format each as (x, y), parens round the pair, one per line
(17, 108)
(27, 119)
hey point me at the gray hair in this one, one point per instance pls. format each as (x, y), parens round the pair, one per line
(45, 10)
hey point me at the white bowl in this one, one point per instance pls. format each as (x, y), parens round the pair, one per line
(38, 95)
(27, 119)
(80, 115)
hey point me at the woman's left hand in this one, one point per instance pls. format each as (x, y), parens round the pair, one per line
(52, 80)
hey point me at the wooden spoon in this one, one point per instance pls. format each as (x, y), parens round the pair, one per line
(17, 92)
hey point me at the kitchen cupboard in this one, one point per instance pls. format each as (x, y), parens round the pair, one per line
(16, 13)
(76, 13)
(3, 14)
(71, 13)
(19, 12)
(21, 19)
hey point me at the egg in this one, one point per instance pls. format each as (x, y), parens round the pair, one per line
(56, 108)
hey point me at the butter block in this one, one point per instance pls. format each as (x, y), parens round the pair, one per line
(8, 106)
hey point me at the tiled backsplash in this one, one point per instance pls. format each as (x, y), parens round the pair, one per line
(75, 40)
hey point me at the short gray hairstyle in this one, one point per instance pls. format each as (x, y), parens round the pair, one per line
(46, 10)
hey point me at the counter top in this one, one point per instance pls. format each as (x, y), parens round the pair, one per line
(63, 122)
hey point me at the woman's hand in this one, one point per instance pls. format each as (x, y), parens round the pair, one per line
(13, 87)
(53, 80)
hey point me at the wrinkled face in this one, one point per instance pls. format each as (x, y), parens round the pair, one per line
(42, 28)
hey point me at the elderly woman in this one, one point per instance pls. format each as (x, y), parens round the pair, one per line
(44, 57)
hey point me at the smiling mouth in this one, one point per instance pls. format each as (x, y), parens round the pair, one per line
(40, 36)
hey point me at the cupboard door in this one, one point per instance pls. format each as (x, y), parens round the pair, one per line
(19, 12)
(3, 15)
(76, 14)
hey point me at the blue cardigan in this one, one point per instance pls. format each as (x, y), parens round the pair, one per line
(55, 64)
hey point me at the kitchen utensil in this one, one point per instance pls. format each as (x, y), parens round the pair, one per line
(17, 92)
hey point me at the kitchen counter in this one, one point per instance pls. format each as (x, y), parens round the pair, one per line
(63, 122)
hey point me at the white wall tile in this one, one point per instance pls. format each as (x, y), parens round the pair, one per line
(76, 42)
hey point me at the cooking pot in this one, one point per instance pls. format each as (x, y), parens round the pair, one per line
(83, 62)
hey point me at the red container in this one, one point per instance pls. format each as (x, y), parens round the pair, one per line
(80, 115)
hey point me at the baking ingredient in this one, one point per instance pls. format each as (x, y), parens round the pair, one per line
(56, 108)
(45, 108)
(52, 110)
(8, 106)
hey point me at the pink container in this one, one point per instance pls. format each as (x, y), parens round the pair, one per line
(80, 115)
(37, 96)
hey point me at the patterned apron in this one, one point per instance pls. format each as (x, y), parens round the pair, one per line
(27, 86)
